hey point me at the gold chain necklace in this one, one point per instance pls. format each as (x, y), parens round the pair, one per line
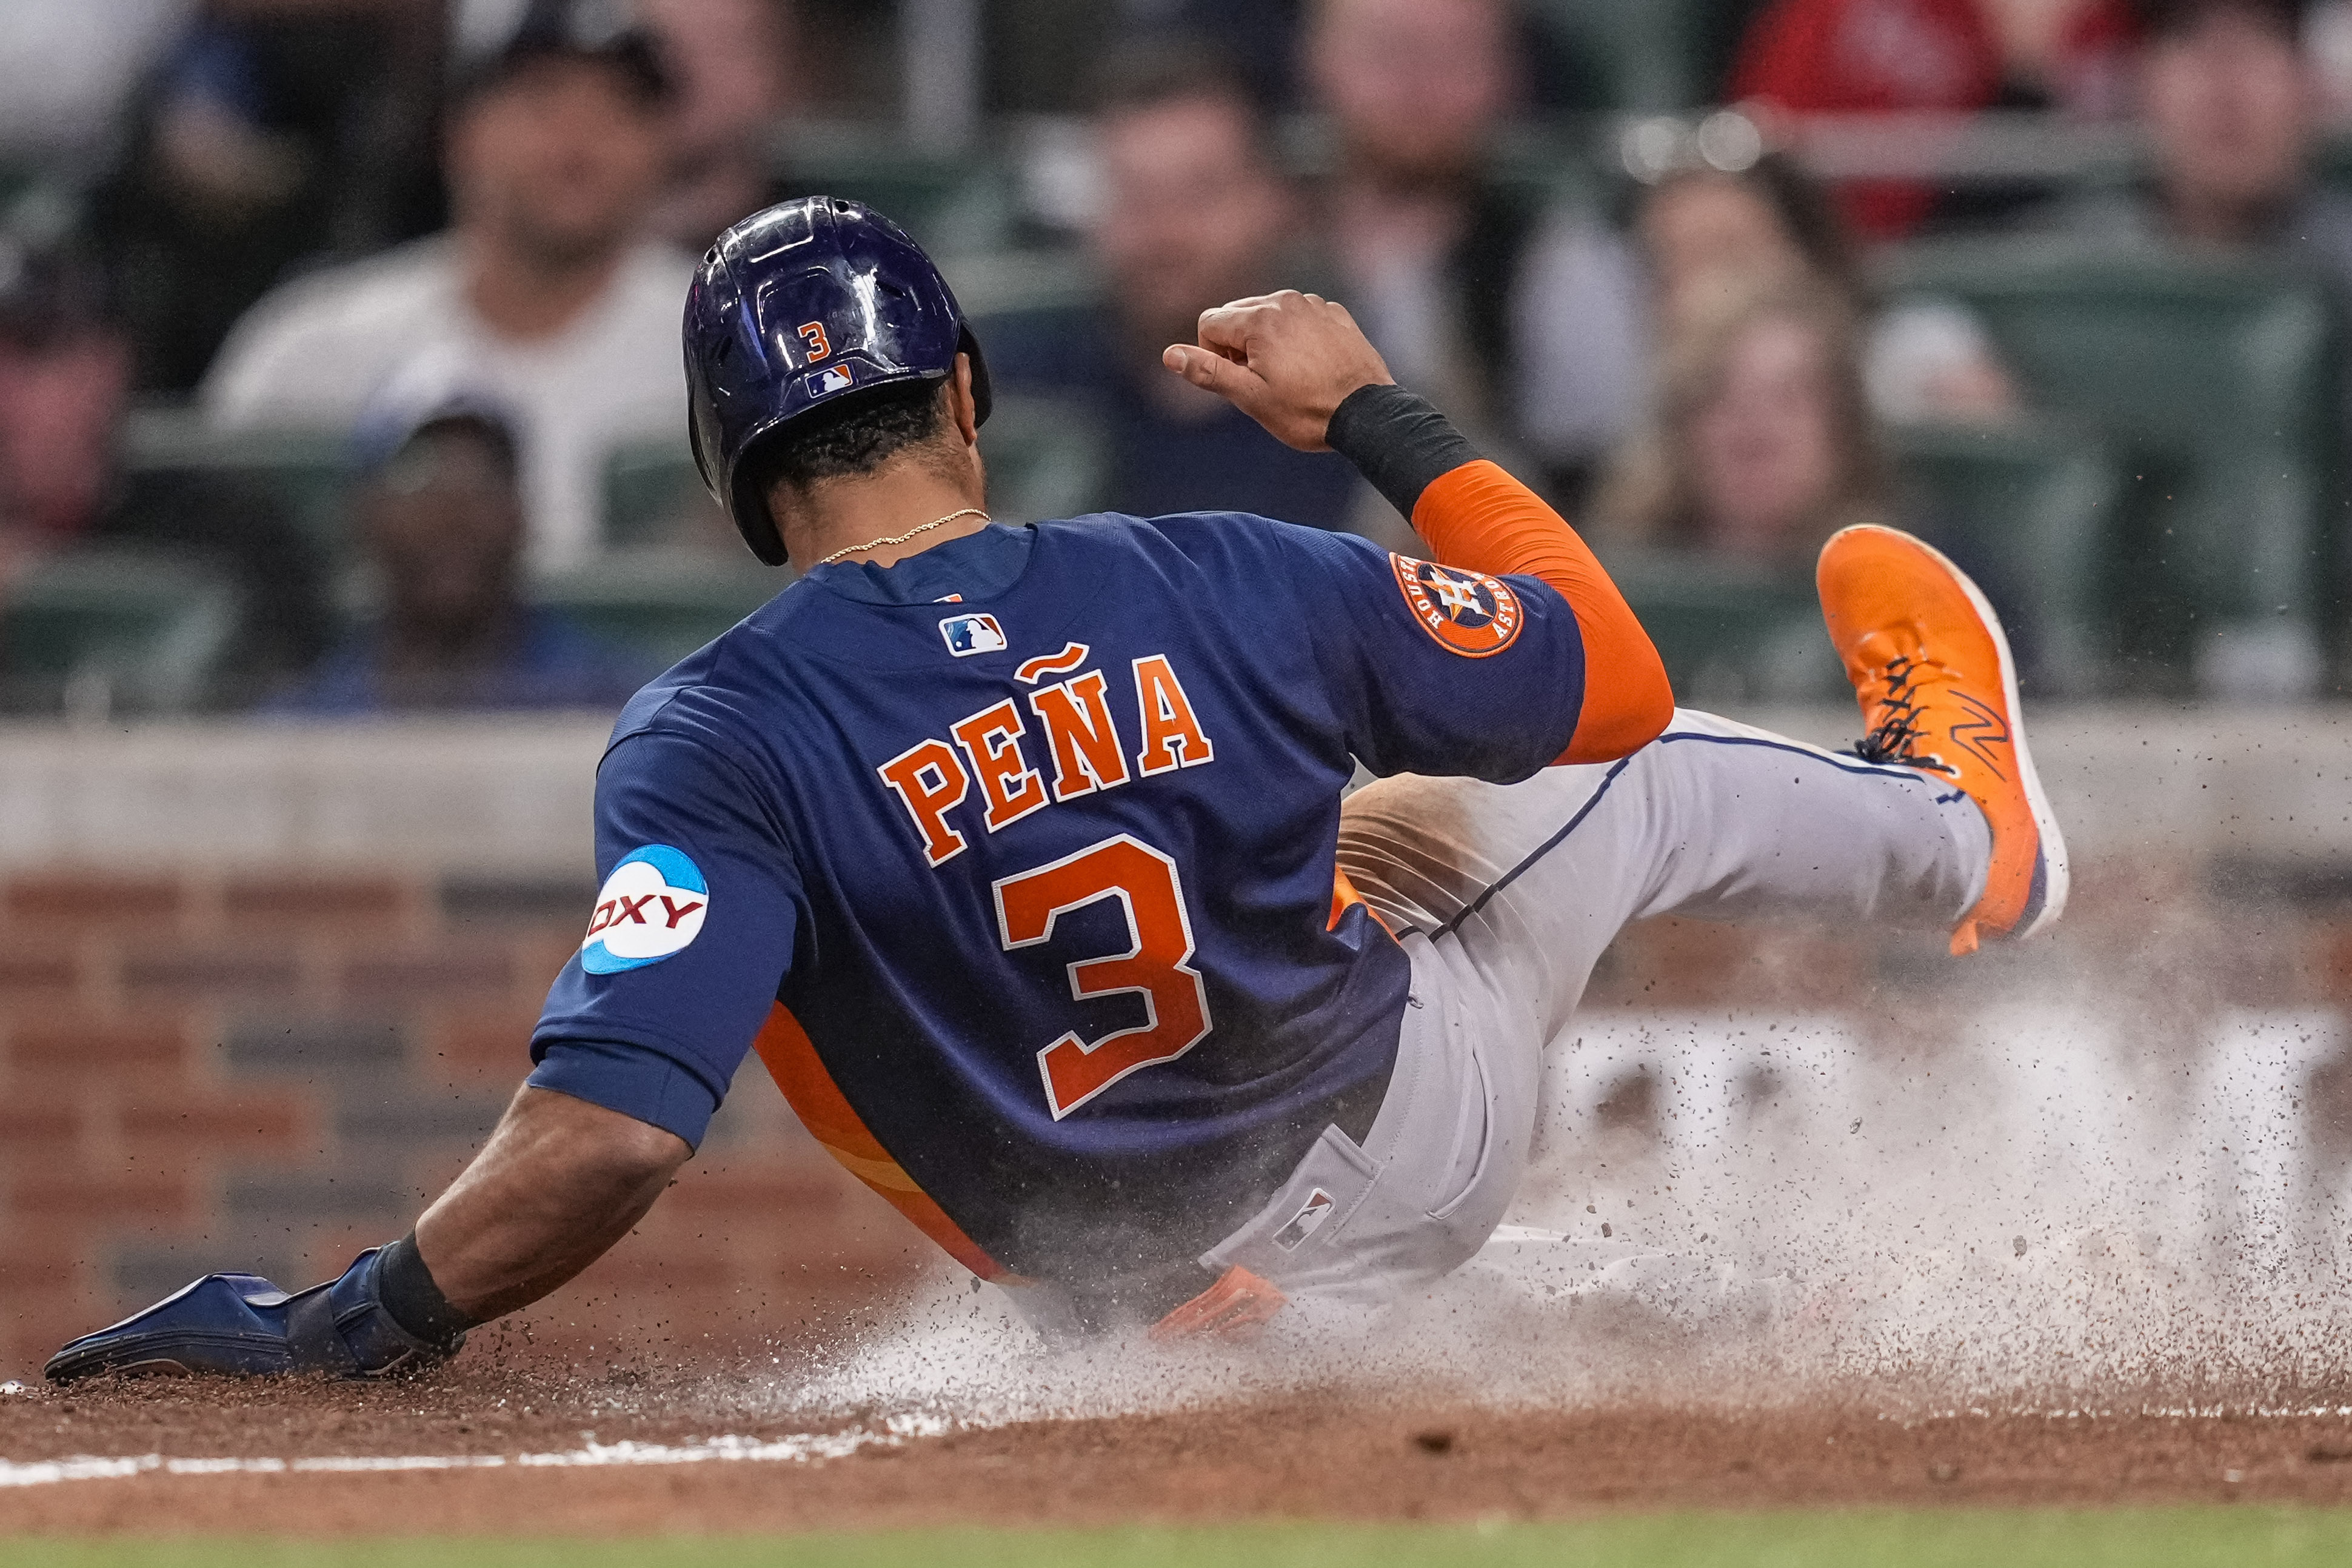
(910, 533)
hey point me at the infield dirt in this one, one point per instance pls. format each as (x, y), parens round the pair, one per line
(2045, 1241)
(1313, 1455)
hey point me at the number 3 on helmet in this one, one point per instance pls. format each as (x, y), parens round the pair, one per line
(812, 301)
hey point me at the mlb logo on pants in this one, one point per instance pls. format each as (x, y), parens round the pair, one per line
(969, 634)
(1306, 1222)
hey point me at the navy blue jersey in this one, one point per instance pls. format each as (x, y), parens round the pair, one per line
(1018, 859)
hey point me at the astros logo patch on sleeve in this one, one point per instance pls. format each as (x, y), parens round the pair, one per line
(1467, 612)
(651, 907)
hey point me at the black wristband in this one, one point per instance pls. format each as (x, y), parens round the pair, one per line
(405, 1286)
(1397, 440)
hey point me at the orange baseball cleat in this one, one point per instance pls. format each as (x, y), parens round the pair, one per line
(1938, 691)
(1236, 1307)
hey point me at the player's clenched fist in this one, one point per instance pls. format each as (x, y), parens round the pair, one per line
(1287, 359)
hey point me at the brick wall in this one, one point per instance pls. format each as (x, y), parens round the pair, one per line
(219, 1071)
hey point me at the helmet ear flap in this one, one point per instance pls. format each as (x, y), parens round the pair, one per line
(748, 506)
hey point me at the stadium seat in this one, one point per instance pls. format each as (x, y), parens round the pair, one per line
(951, 205)
(664, 604)
(2028, 510)
(99, 632)
(1046, 459)
(307, 472)
(1649, 57)
(2216, 387)
(654, 495)
(1731, 634)
(2331, 160)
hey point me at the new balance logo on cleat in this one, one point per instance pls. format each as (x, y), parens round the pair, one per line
(1986, 729)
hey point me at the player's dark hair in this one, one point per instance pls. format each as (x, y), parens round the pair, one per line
(849, 438)
(1146, 73)
(2169, 18)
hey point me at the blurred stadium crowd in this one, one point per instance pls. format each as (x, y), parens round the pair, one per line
(339, 371)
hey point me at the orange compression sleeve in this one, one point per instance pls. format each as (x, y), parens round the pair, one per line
(1476, 517)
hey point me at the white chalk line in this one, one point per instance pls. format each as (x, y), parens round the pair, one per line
(800, 1448)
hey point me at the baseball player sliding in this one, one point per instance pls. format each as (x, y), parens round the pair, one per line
(1018, 854)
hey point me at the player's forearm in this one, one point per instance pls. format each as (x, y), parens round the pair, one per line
(558, 1183)
(1476, 517)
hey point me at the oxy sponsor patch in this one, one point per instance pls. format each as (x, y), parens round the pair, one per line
(1467, 612)
(651, 908)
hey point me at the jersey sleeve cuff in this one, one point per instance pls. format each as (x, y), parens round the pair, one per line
(634, 1079)
(1398, 441)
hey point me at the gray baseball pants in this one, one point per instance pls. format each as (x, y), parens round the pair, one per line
(1506, 896)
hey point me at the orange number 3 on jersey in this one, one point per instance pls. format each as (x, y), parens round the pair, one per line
(1157, 967)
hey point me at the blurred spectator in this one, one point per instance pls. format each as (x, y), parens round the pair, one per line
(1195, 213)
(1762, 445)
(441, 520)
(2070, 55)
(273, 132)
(64, 379)
(1472, 291)
(67, 68)
(2229, 103)
(2327, 37)
(1709, 233)
(1260, 36)
(1848, 56)
(1712, 234)
(545, 290)
(728, 57)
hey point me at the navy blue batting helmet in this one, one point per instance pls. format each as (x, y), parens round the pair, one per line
(810, 302)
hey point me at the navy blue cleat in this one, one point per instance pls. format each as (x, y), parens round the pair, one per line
(241, 1325)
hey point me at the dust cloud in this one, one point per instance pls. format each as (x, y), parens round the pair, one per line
(2056, 1192)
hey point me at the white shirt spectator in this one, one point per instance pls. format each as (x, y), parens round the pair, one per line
(68, 65)
(1580, 325)
(313, 354)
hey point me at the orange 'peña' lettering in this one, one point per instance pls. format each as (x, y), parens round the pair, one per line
(1009, 786)
(932, 778)
(1085, 744)
(1173, 737)
(931, 783)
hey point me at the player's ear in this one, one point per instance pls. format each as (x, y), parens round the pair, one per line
(963, 406)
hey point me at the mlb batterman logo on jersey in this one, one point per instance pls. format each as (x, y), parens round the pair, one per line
(650, 908)
(969, 634)
(1467, 612)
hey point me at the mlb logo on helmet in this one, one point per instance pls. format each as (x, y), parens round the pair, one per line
(969, 634)
(650, 908)
(826, 382)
